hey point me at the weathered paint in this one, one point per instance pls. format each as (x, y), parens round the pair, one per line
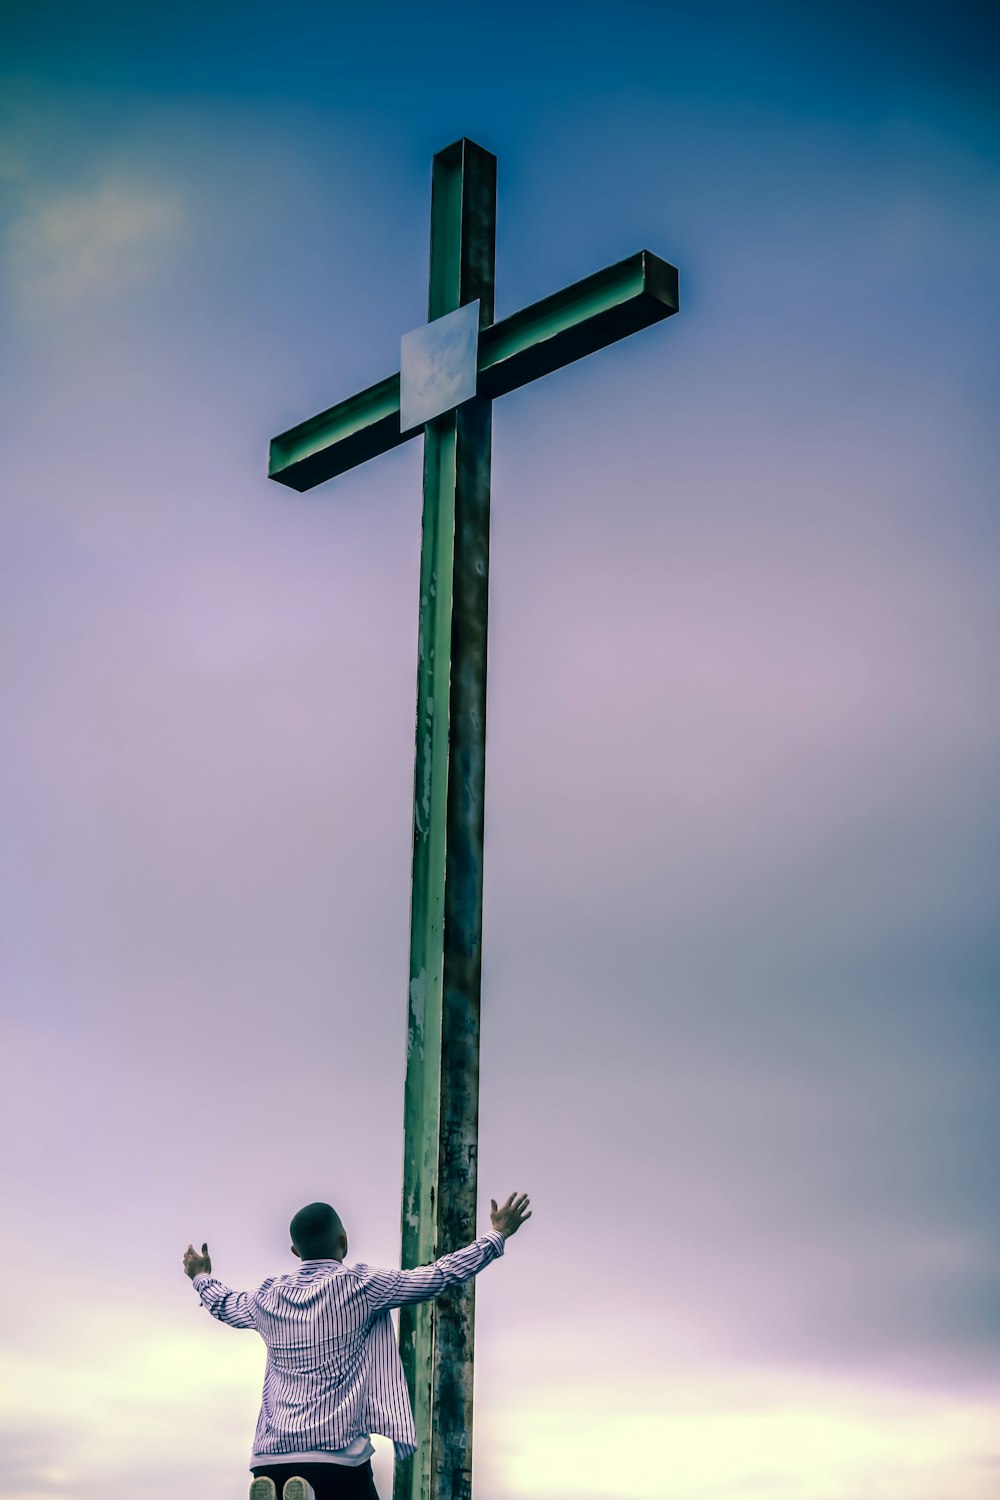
(580, 319)
(442, 1079)
(441, 1106)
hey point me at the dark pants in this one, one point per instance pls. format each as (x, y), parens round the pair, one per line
(330, 1481)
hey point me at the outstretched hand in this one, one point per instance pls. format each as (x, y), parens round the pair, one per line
(195, 1264)
(511, 1216)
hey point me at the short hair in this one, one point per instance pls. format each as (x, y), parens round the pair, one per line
(315, 1228)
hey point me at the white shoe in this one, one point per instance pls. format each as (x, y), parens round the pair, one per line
(297, 1489)
(263, 1489)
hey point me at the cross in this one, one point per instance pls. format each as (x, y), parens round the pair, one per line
(450, 372)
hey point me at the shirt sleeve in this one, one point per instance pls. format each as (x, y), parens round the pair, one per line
(234, 1308)
(394, 1288)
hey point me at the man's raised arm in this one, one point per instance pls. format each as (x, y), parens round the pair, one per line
(394, 1288)
(229, 1307)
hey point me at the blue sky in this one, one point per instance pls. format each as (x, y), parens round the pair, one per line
(740, 965)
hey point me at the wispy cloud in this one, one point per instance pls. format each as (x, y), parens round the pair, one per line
(69, 247)
(13, 161)
(121, 1400)
(734, 1434)
(714, 1430)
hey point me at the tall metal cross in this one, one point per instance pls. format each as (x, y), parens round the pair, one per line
(450, 372)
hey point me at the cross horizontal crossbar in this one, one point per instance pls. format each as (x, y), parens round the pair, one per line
(541, 338)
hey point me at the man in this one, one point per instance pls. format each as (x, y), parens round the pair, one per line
(334, 1375)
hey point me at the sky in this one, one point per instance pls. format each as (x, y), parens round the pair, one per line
(740, 1007)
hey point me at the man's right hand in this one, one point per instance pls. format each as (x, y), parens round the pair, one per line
(195, 1264)
(511, 1216)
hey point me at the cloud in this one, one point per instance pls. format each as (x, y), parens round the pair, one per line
(67, 248)
(120, 1393)
(671, 1425)
(726, 1432)
(13, 161)
(790, 708)
(26, 1459)
(94, 1406)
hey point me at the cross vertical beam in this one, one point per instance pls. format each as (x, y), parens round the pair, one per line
(441, 1110)
(442, 1054)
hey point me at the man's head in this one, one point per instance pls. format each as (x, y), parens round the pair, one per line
(317, 1233)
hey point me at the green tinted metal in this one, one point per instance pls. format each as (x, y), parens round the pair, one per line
(441, 1105)
(338, 439)
(577, 321)
(564, 327)
(422, 1090)
(441, 1115)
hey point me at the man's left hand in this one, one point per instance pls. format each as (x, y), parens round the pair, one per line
(195, 1264)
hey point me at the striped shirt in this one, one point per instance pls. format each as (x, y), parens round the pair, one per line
(333, 1373)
